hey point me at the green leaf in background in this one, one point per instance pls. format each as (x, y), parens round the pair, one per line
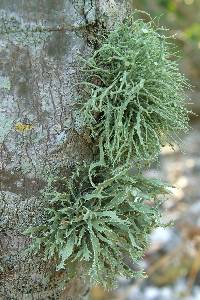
(193, 32)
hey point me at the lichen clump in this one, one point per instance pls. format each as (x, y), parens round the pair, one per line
(99, 225)
(132, 104)
(136, 94)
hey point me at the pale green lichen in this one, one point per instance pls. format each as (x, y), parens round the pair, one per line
(5, 83)
(133, 103)
(135, 94)
(98, 225)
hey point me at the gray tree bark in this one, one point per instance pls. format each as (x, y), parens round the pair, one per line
(40, 127)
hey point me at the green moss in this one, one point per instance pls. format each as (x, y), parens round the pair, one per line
(135, 94)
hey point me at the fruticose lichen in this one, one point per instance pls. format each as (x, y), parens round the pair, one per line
(133, 104)
(135, 94)
(99, 224)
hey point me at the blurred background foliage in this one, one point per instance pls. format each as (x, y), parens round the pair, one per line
(173, 260)
(182, 17)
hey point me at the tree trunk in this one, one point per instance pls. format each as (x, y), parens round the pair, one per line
(40, 128)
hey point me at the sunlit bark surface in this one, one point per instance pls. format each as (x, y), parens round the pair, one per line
(40, 127)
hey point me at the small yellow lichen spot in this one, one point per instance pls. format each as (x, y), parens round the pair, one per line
(23, 127)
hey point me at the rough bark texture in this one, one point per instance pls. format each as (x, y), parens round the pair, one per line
(40, 129)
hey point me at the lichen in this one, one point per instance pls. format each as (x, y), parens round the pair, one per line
(132, 103)
(98, 224)
(135, 94)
